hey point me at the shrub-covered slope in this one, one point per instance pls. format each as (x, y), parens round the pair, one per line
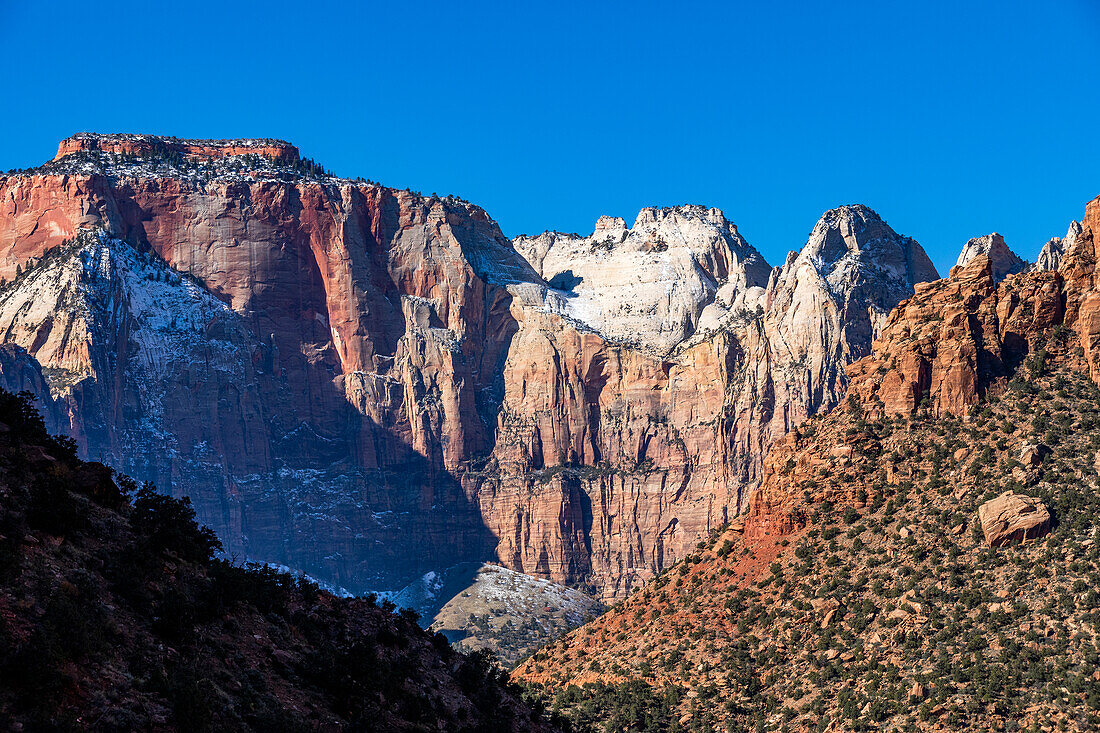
(116, 615)
(888, 612)
(860, 592)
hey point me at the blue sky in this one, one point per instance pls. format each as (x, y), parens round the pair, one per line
(951, 119)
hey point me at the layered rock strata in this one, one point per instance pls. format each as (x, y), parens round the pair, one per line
(155, 145)
(1012, 518)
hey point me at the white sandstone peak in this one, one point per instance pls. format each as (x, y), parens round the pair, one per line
(1050, 256)
(650, 284)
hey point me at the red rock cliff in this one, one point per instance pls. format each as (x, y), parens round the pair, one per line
(319, 400)
(366, 384)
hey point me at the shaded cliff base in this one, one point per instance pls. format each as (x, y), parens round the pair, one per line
(115, 615)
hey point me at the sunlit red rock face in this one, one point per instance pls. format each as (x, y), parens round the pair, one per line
(947, 347)
(366, 384)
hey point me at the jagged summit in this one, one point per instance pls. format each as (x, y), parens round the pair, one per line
(147, 145)
(1050, 256)
(823, 308)
(1005, 261)
(853, 234)
(647, 215)
(857, 216)
(857, 253)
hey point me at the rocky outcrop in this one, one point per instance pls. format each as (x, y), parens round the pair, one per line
(1013, 518)
(1003, 261)
(368, 384)
(156, 145)
(1032, 455)
(1050, 256)
(955, 338)
(1092, 216)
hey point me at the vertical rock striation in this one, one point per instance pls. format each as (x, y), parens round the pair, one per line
(366, 384)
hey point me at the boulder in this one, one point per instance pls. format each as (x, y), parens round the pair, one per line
(1013, 518)
(1033, 454)
(1024, 476)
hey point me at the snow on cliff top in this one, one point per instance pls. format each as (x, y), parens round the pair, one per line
(646, 285)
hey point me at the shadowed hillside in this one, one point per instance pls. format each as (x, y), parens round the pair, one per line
(116, 615)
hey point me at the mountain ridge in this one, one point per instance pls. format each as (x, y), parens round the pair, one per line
(863, 589)
(412, 393)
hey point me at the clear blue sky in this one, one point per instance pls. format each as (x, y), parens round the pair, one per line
(951, 119)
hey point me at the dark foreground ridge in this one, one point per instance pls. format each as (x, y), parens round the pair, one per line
(115, 614)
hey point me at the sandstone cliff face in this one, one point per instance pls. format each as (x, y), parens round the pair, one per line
(650, 450)
(316, 384)
(366, 384)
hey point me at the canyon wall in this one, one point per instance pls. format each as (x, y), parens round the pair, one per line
(367, 384)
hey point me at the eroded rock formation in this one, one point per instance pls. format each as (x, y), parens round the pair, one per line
(366, 384)
(1050, 256)
(1003, 261)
